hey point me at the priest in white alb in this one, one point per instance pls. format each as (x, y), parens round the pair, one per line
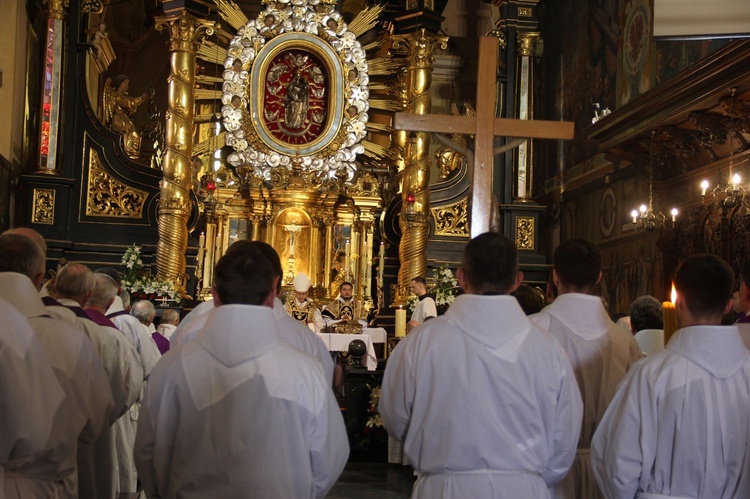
(483, 400)
(599, 351)
(679, 425)
(237, 412)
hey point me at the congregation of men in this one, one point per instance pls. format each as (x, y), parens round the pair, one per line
(487, 401)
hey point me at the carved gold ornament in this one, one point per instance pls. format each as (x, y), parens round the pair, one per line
(43, 209)
(453, 219)
(525, 233)
(107, 197)
(295, 93)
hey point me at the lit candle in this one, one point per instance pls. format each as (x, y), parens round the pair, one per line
(400, 322)
(736, 181)
(381, 263)
(634, 214)
(670, 317)
(201, 240)
(704, 187)
(347, 251)
(674, 214)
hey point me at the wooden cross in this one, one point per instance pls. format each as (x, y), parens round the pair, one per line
(485, 127)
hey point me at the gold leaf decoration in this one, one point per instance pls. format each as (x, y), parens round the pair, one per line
(108, 197)
(453, 219)
(43, 210)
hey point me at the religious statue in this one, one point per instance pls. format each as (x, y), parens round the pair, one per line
(449, 159)
(98, 35)
(297, 101)
(118, 107)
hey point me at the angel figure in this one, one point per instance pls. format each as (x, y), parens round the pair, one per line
(450, 159)
(118, 107)
(98, 34)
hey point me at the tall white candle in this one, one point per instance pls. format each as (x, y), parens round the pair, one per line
(381, 263)
(201, 240)
(400, 322)
(347, 251)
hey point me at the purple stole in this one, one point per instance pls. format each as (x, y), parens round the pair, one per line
(161, 342)
(100, 318)
(78, 311)
(51, 302)
(117, 314)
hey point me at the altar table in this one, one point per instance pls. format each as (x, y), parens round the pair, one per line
(340, 343)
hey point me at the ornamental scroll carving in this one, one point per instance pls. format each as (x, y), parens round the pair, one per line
(107, 197)
(525, 233)
(452, 220)
(43, 211)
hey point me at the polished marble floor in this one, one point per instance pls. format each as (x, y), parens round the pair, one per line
(362, 480)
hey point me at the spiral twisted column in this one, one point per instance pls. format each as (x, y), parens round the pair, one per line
(419, 48)
(186, 33)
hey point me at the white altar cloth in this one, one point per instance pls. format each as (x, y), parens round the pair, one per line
(340, 343)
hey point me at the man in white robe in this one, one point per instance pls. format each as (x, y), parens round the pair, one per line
(74, 286)
(291, 331)
(679, 424)
(86, 408)
(29, 392)
(647, 324)
(484, 401)
(168, 322)
(599, 351)
(125, 475)
(301, 307)
(237, 412)
(425, 307)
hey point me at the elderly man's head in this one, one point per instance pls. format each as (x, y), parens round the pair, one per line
(22, 255)
(646, 313)
(144, 311)
(105, 290)
(75, 282)
(170, 316)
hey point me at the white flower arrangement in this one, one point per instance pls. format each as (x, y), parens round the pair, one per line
(445, 289)
(139, 282)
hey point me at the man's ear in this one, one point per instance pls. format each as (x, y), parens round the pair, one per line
(268, 302)
(598, 279)
(461, 278)
(555, 278)
(215, 294)
(38, 280)
(519, 280)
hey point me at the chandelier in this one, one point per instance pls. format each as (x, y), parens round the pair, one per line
(645, 217)
(732, 194)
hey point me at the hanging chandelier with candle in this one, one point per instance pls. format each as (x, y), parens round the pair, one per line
(645, 217)
(731, 194)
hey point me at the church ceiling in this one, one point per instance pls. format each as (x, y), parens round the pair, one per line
(692, 115)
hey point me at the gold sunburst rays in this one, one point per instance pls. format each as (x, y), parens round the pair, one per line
(376, 151)
(209, 145)
(366, 20)
(384, 66)
(212, 52)
(207, 94)
(385, 105)
(231, 13)
(379, 128)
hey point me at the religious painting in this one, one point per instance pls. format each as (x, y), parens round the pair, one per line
(635, 54)
(607, 212)
(297, 86)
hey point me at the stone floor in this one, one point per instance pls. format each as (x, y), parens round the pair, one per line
(362, 480)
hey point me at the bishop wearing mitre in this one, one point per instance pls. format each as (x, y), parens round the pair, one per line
(301, 307)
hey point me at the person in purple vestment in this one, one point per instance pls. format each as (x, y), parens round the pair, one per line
(145, 312)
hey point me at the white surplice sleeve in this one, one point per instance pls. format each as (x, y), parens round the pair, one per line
(618, 455)
(398, 390)
(567, 426)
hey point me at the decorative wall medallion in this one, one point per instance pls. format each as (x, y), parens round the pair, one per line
(452, 220)
(525, 233)
(107, 197)
(295, 92)
(607, 212)
(43, 208)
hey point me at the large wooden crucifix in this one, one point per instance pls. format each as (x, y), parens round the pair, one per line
(485, 127)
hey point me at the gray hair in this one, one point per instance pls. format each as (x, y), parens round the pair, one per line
(105, 290)
(125, 297)
(22, 255)
(170, 316)
(74, 281)
(646, 313)
(144, 311)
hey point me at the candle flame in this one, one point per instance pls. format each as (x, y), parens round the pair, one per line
(674, 294)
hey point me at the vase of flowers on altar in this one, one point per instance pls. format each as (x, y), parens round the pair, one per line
(444, 290)
(141, 285)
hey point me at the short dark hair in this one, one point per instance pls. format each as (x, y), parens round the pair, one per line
(346, 283)
(705, 283)
(420, 280)
(243, 277)
(490, 263)
(646, 312)
(529, 298)
(578, 263)
(264, 249)
(22, 255)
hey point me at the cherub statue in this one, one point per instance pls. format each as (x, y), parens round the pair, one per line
(118, 107)
(98, 34)
(450, 159)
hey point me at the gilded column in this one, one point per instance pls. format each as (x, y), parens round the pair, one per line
(419, 48)
(186, 33)
(524, 155)
(330, 222)
(51, 85)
